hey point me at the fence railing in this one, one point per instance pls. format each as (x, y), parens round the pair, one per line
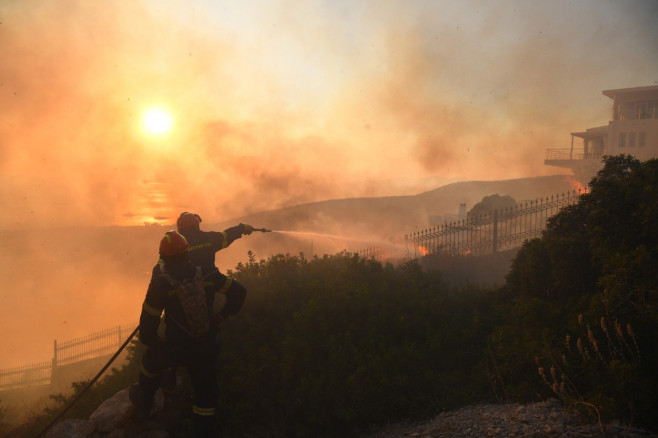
(25, 376)
(102, 343)
(90, 346)
(499, 230)
(373, 253)
(567, 154)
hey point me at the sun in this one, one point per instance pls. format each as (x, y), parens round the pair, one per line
(157, 121)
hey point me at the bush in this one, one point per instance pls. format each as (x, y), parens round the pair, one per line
(336, 344)
(590, 279)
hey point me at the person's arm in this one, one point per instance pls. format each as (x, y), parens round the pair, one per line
(149, 319)
(234, 292)
(234, 233)
(235, 296)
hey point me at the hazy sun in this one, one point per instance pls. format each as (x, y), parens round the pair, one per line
(157, 121)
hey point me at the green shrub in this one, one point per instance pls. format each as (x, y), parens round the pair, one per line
(336, 344)
(595, 262)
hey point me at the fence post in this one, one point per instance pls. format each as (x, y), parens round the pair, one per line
(53, 369)
(495, 231)
(54, 353)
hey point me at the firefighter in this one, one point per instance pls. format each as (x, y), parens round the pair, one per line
(204, 244)
(190, 329)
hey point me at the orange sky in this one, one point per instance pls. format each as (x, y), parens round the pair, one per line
(276, 103)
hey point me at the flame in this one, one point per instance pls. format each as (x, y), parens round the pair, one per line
(468, 252)
(575, 184)
(423, 251)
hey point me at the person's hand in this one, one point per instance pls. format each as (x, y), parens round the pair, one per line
(248, 229)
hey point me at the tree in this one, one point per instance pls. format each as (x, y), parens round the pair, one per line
(591, 279)
(488, 204)
(623, 217)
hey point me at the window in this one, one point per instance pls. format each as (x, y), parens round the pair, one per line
(652, 109)
(631, 140)
(641, 139)
(622, 139)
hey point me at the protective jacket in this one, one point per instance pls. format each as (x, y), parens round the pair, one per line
(204, 244)
(161, 296)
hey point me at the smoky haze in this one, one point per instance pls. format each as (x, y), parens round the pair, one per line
(273, 106)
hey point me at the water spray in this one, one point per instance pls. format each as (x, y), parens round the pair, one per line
(310, 234)
(339, 238)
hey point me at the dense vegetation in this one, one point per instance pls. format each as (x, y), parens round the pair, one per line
(336, 345)
(339, 343)
(579, 304)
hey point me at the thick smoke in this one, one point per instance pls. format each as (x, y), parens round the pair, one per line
(273, 106)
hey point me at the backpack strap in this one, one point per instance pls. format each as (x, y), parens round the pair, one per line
(170, 280)
(175, 284)
(198, 276)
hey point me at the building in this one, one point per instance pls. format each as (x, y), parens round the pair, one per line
(633, 130)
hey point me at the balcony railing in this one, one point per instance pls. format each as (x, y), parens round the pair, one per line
(569, 154)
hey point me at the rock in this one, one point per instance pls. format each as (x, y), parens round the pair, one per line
(118, 409)
(113, 412)
(72, 428)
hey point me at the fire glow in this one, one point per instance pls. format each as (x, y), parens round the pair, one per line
(575, 184)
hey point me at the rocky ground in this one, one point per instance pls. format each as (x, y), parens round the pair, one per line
(115, 418)
(544, 419)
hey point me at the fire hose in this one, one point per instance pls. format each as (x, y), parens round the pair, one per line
(89, 385)
(100, 373)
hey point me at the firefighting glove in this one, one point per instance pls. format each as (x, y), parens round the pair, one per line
(247, 229)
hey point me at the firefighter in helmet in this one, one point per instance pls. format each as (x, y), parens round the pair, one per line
(190, 328)
(204, 244)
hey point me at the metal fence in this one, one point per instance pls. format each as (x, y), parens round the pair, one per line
(25, 376)
(87, 347)
(485, 234)
(373, 253)
(102, 343)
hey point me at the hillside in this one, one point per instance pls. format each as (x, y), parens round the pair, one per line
(399, 214)
(354, 224)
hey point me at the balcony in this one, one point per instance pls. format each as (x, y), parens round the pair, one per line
(569, 154)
